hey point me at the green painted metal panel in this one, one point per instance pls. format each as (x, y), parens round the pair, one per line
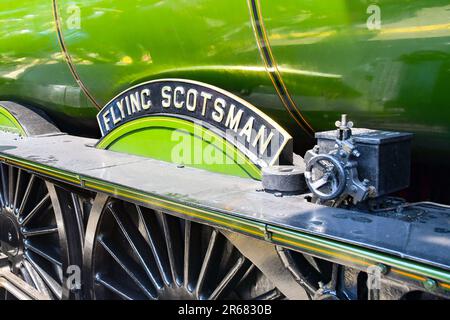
(182, 142)
(33, 70)
(332, 57)
(9, 124)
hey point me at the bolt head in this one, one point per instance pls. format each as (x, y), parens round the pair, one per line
(278, 194)
(356, 153)
(430, 284)
(383, 268)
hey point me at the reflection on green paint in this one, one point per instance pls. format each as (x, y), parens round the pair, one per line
(331, 60)
(179, 141)
(9, 124)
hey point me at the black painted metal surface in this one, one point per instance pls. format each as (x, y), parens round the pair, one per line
(425, 241)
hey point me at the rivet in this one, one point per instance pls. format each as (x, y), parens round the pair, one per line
(278, 194)
(383, 268)
(430, 284)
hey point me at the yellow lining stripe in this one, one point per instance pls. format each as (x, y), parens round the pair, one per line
(445, 285)
(327, 252)
(45, 171)
(206, 215)
(68, 58)
(271, 66)
(409, 275)
(160, 203)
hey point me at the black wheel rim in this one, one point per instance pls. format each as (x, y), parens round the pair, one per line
(32, 232)
(136, 253)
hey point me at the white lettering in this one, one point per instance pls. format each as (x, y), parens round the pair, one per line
(167, 98)
(135, 102)
(247, 130)
(218, 114)
(106, 120)
(206, 97)
(127, 103)
(263, 144)
(121, 108)
(191, 95)
(113, 115)
(233, 120)
(176, 93)
(145, 104)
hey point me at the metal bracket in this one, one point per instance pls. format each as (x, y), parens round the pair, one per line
(267, 233)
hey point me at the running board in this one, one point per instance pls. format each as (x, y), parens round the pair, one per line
(412, 250)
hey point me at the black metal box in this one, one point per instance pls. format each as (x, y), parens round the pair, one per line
(385, 157)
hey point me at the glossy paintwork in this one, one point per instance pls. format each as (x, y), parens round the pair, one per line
(32, 68)
(394, 78)
(182, 142)
(8, 123)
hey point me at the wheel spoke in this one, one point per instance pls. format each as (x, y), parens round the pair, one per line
(133, 248)
(231, 278)
(78, 216)
(192, 261)
(48, 254)
(156, 242)
(247, 274)
(312, 261)
(137, 243)
(39, 231)
(26, 276)
(2, 201)
(53, 285)
(36, 280)
(26, 194)
(10, 185)
(18, 184)
(117, 288)
(33, 212)
(207, 262)
(129, 266)
(41, 252)
(4, 185)
(173, 242)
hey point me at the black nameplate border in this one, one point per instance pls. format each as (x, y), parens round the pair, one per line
(253, 132)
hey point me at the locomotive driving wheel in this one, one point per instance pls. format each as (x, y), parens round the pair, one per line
(133, 252)
(33, 232)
